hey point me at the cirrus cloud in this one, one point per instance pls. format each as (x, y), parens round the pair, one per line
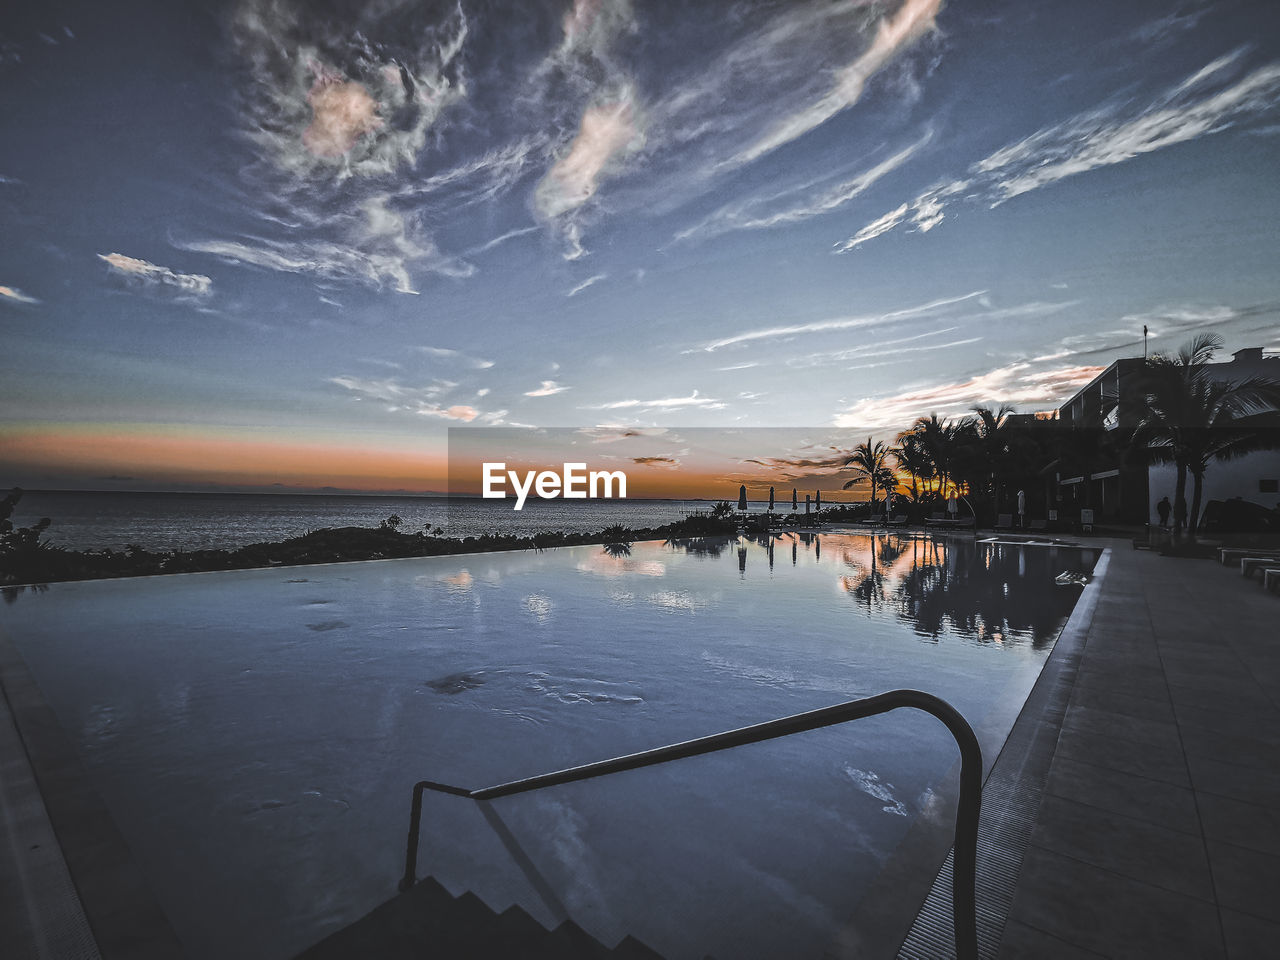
(134, 270)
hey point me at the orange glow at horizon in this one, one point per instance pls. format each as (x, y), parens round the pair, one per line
(152, 454)
(158, 455)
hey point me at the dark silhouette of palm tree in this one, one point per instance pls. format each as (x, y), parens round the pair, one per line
(873, 462)
(993, 445)
(939, 441)
(913, 456)
(1191, 417)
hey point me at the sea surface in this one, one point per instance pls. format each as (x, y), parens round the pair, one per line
(203, 521)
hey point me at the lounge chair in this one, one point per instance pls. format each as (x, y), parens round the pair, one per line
(963, 522)
(1248, 565)
(899, 520)
(1004, 521)
(1230, 556)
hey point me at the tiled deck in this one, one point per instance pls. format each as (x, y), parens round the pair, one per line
(1159, 832)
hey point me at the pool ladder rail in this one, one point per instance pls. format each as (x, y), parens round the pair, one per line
(963, 891)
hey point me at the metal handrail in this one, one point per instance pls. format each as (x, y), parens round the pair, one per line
(964, 866)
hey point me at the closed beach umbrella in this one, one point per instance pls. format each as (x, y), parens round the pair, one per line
(771, 499)
(742, 497)
(794, 504)
(817, 499)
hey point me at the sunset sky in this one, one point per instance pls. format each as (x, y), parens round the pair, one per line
(269, 242)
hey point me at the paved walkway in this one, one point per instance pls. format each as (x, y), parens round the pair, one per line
(1159, 832)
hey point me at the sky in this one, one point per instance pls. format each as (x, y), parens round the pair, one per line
(269, 244)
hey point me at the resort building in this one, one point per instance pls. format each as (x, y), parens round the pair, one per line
(1253, 478)
(1095, 475)
(1101, 476)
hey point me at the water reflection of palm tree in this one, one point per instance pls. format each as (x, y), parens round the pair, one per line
(710, 547)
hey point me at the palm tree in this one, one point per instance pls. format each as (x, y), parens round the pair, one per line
(940, 441)
(1190, 418)
(992, 444)
(913, 456)
(873, 462)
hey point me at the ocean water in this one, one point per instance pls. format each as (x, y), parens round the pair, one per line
(201, 521)
(255, 733)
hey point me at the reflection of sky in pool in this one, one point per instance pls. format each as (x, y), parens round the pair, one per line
(256, 733)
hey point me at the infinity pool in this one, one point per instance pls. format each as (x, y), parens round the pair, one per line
(255, 734)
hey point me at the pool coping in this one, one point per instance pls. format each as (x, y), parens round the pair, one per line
(907, 912)
(1012, 793)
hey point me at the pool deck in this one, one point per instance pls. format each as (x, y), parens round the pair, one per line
(1158, 834)
(1159, 831)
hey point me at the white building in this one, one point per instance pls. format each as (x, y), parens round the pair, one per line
(1254, 477)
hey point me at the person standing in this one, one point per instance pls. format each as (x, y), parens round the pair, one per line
(1163, 509)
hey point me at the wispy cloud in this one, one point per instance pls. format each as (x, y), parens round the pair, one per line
(664, 462)
(1172, 24)
(885, 348)
(133, 270)
(664, 403)
(609, 128)
(586, 283)
(874, 229)
(839, 323)
(753, 214)
(613, 433)
(324, 89)
(549, 388)
(1163, 323)
(14, 295)
(456, 356)
(338, 108)
(832, 463)
(1210, 100)
(1020, 383)
(425, 401)
(509, 235)
(382, 257)
(896, 31)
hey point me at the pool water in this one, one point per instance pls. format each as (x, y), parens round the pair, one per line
(256, 734)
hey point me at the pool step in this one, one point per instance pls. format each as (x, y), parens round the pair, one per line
(427, 921)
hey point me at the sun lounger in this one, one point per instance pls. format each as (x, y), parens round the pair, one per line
(1271, 579)
(1250, 565)
(1004, 521)
(963, 522)
(1230, 556)
(899, 520)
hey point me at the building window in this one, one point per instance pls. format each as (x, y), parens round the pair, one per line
(1269, 486)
